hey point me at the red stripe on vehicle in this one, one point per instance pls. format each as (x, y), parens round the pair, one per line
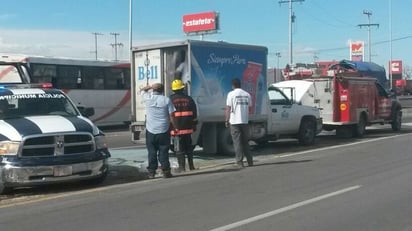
(125, 99)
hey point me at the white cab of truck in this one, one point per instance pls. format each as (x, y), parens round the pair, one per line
(290, 119)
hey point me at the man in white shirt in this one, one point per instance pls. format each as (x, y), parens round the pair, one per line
(237, 116)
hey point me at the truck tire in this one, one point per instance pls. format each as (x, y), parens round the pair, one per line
(307, 132)
(225, 142)
(360, 127)
(396, 120)
(5, 190)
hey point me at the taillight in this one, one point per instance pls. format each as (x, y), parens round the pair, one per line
(344, 96)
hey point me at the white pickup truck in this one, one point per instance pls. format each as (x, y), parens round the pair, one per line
(288, 119)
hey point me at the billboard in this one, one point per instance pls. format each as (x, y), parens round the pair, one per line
(357, 50)
(396, 67)
(200, 22)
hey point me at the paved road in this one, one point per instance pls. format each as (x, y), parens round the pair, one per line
(361, 185)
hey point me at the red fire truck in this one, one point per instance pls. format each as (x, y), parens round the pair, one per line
(349, 101)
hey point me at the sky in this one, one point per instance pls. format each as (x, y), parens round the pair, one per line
(322, 29)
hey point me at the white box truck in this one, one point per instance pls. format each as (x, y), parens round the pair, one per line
(207, 68)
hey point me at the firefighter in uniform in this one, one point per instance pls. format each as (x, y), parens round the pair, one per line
(185, 118)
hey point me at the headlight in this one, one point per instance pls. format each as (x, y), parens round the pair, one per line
(100, 142)
(9, 148)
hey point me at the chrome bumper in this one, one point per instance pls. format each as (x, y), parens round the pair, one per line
(11, 175)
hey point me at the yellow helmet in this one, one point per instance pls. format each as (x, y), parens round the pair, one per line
(177, 84)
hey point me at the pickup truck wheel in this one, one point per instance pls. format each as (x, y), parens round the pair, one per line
(307, 132)
(225, 142)
(397, 121)
(360, 127)
(5, 190)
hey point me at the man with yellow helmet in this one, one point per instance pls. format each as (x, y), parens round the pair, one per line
(185, 121)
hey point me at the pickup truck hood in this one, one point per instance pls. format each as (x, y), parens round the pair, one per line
(15, 129)
(300, 86)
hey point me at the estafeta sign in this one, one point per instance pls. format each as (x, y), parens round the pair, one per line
(206, 21)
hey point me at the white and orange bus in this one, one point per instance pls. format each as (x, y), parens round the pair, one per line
(103, 85)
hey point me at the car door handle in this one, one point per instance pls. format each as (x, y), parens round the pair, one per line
(274, 110)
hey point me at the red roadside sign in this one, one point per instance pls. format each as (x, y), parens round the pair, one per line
(206, 21)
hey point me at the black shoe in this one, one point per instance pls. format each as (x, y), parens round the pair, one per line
(151, 175)
(240, 165)
(167, 174)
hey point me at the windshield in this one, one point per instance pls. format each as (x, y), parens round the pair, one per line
(21, 105)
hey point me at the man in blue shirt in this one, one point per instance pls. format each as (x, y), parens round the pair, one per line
(159, 111)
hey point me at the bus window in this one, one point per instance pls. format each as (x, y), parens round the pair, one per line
(115, 78)
(43, 73)
(93, 78)
(67, 77)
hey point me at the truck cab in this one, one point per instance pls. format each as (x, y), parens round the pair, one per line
(45, 139)
(290, 119)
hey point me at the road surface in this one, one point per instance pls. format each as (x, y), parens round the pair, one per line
(360, 185)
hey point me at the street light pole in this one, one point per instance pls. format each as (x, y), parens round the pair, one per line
(277, 67)
(390, 44)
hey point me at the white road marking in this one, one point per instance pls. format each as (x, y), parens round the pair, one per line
(284, 209)
(340, 146)
(407, 124)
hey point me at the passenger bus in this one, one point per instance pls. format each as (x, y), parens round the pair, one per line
(103, 85)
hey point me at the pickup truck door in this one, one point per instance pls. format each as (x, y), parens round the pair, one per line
(282, 112)
(384, 103)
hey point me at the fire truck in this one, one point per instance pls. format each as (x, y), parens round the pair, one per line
(348, 100)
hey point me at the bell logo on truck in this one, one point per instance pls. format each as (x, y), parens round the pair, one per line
(150, 72)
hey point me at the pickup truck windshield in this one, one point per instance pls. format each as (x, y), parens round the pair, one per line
(14, 73)
(36, 104)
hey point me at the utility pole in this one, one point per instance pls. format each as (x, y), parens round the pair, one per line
(277, 67)
(390, 44)
(115, 45)
(368, 13)
(291, 21)
(95, 42)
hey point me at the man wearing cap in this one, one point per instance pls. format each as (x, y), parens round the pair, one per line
(159, 111)
(185, 118)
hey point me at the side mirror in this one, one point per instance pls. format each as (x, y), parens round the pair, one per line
(86, 111)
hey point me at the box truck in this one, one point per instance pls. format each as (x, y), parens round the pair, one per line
(207, 68)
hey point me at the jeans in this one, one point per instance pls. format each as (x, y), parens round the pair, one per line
(158, 151)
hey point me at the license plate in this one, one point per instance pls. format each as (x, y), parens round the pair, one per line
(63, 170)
